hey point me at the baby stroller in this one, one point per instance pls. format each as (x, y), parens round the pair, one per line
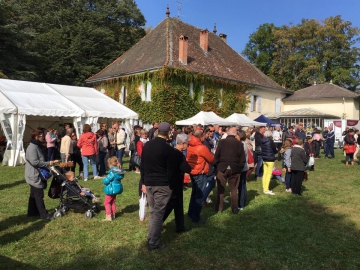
(69, 196)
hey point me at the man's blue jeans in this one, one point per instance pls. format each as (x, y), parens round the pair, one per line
(198, 183)
(119, 155)
(242, 191)
(326, 150)
(259, 167)
(208, 187)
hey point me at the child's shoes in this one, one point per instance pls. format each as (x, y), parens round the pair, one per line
(107, 218)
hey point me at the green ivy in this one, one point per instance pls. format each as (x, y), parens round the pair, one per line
(170, 99)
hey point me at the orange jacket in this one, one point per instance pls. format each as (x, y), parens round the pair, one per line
(198, 156)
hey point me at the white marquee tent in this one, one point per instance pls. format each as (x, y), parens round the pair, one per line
(43, 103)
(205, 118)
(243, 120)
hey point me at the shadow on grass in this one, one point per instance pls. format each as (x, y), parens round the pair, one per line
(35, 224)
(288, 233)
(13, 184)
(7, 263)
(130, 209)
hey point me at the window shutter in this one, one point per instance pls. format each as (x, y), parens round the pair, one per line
(121, 98)
(252, 103)
(277, 105)
(191, 92)
(142, 91)
(202, 94)
(221, 97)
(259, 104)
(148, 91)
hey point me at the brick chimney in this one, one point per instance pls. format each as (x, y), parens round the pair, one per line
(223, 37)
(204, 39)
(183, 49)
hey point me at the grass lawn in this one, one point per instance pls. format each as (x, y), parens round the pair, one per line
(319, 230)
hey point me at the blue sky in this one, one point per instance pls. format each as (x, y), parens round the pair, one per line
(239, 18)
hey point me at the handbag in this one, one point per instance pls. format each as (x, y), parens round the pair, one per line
(346, 147)
(142, 207)
(132, 146)
(44, 173)
(258, 150)
(112, 152)
(311, 161)
(137, 159)
(250, 157)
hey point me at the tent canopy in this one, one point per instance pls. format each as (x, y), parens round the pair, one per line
(94, 103)
(264, 119)
(31, 98)
(205, 118)
(20, 100)
(243, 120)
(42, 99)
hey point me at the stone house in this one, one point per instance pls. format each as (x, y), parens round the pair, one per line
(189, 69)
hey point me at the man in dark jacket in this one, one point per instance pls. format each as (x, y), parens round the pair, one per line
(331, 141)
(300, 133)
(151, 134)
(258, 136)
(325, 135)
(157, 174)
(298, 162)
(181, 167)
(229, 161)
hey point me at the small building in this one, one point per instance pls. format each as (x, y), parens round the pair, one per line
(177, 70)
(329, 99)
(309, 116)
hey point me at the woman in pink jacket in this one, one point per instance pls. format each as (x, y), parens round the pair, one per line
(51, 139)
(89, 150)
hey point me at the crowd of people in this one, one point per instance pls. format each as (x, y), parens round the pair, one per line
(211, 155)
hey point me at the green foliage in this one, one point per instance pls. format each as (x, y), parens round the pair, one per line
(261, 46)
(297, 55)
(73, 40)
(15, 56)
(170, 95)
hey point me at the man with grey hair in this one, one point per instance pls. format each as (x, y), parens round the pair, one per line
(181, 167)
(229, 162)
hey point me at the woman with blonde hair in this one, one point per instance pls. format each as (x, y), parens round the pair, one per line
(268, 151)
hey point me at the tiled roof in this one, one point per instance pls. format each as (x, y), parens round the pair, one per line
(160, 48)
(305, 112)
(322, 91)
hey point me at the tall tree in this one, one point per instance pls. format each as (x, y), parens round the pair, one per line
(310, 51)
(261, 47)
(15, 58)
(76, 39)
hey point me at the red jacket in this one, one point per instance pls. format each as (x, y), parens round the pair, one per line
(88, 144)
(139, 147)
(198, 156)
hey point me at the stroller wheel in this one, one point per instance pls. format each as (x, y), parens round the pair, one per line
(57, 214)
(64, 209)
(88, 214)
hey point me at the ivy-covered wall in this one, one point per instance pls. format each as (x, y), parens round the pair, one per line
(170, 98)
